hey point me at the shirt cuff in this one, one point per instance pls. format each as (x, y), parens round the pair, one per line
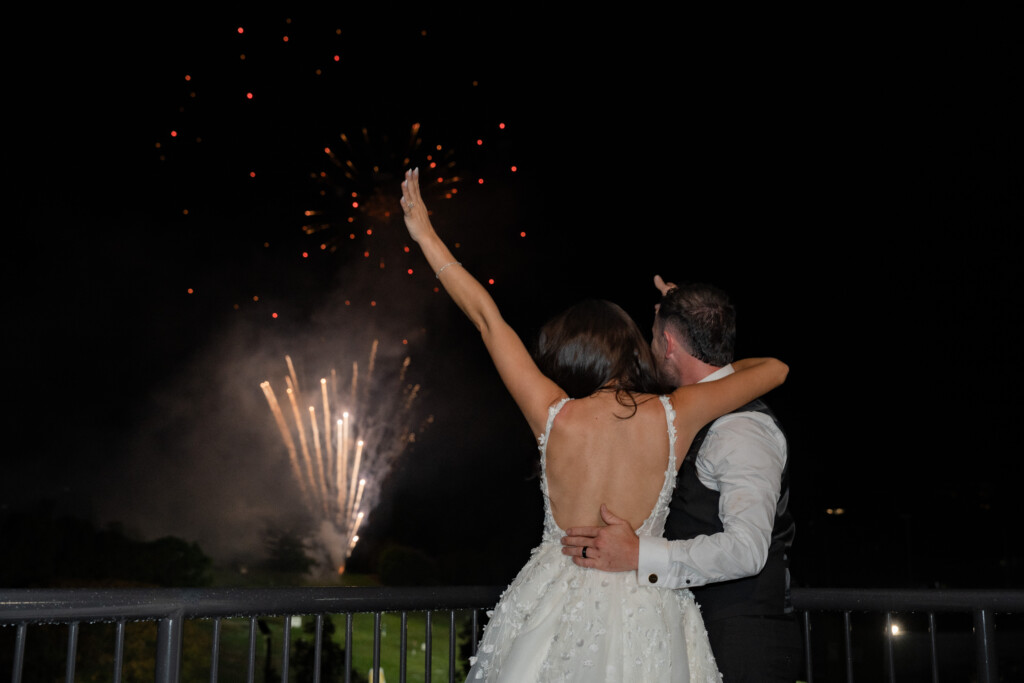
(654, 563)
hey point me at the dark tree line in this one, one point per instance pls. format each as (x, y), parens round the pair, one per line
(43, 548)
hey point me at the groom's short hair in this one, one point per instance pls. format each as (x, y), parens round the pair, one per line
(703, 318)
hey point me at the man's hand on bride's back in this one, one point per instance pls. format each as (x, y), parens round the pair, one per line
(612, 548)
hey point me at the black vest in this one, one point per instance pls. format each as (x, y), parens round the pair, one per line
(694, 512)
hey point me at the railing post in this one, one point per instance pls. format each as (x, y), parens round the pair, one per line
(807, 648)
(847, 646)
(375, 674)
(168, 648)
(318, 648)
(72, 651)
(118, 650)
(451, 646)
(286, 646)
(984, 641)
(890, 656)
(19, 653)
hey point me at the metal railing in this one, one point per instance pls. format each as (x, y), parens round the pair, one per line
(885, 605)
(170, 609)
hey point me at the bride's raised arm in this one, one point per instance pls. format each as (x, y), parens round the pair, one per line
(532, 391)
(698, 404)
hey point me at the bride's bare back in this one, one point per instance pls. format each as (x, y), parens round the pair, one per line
(595, 456)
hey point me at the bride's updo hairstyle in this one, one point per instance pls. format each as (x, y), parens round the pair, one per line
(595, 345)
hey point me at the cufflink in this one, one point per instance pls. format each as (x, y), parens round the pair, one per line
(653, 578)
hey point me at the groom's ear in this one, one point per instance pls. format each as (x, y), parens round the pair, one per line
(670, 342)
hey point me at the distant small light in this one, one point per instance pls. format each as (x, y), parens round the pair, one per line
(305, 254)
(479, 181)
(337, 58)
(323, 246)
(409, 271)
(373, 303)
(273, 315)
(191, 291)
(355, 205)
(327, 150)
(369, 231)
(252, 174)
(366, 254)
(285, 39)
(174, 133)
(248, 95)
(433, 164)
(515, 168)
(405, 249)
(440, 180)
(522, 234)
(479, 142)
(501, 126)
(352, 236)
(188, 77)
(490, 281)
(348, 302)
(405, 342)
(256, 298)
(241, 30)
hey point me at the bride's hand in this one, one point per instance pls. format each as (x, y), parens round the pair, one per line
(417, 220)
(663, 287)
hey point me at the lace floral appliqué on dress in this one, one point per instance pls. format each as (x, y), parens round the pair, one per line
(560, 623)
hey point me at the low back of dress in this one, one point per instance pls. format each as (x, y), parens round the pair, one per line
(654, 524)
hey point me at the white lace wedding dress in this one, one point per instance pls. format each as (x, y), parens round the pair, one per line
(557, 622)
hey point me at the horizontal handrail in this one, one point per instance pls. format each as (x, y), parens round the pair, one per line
(69, 604)
(904, 600)
(65, 604)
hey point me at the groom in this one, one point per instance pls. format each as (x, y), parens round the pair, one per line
(729, 520)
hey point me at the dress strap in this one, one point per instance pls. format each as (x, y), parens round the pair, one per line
(670, 417)
(553, 411)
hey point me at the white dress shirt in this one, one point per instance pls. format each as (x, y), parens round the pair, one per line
(742, 458)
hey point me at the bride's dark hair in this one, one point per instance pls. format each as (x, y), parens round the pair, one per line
(595, 345)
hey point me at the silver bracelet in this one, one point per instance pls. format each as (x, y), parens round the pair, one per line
(442, 268)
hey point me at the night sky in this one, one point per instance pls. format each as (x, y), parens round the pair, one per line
(853, 183)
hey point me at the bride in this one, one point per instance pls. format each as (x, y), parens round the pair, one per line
(607, 434)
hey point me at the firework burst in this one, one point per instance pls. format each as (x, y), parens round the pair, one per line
(342, 440)
(358, 188)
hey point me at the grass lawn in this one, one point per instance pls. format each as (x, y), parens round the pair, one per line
(234, 648)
